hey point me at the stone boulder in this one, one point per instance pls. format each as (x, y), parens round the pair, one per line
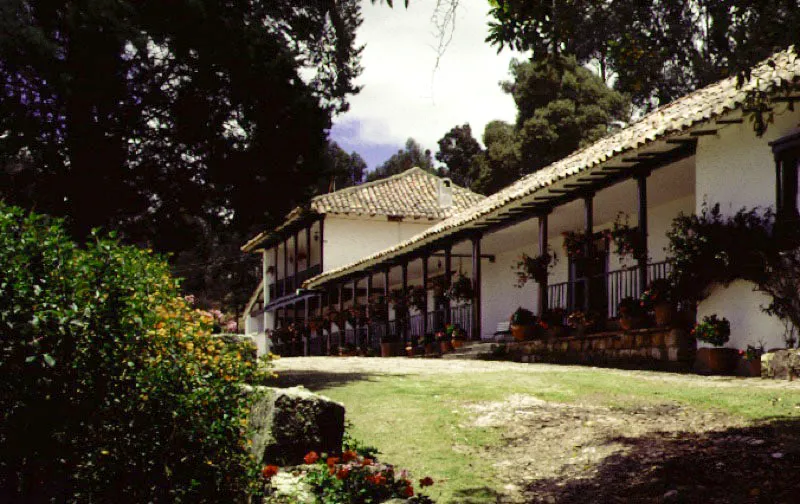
(781, 364)
(288, 423)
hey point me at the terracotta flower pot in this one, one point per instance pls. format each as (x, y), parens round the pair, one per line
(445, 346)
(430, 349)
(523, 332)
(391, 349)
(457, 343)
(755, 367)
(718, 360)
(665, 313)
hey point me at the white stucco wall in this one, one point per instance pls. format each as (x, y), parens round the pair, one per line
(350, 239)
(499, 293)
(737, 169)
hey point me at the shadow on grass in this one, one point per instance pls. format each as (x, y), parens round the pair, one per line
(478, 495)
(320, 380)
(757, 464)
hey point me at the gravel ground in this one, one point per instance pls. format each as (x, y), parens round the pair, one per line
(575, 453)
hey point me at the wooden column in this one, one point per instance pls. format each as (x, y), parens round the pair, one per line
(404, 269)
(355, 312)
(588, 221)
(386, 300)
(308, 246)
(321, 243)
(327, 304)
(641, 185)
(368, 311)
(425, 286)
(275, 275)
(285, 265)
(448, 272)
(543, 250)
(476, 287)
(307, 329)
(294, 277)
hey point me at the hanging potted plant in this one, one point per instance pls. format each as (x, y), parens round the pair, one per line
(460, 290)
(628, 240)
(715, 331)
(575, 243)
(534, 268)
(523, 324)
(658, 298)
(631, 315)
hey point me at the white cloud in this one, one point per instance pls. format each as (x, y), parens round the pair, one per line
(404, 95)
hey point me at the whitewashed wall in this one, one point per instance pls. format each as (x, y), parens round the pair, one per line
(737, 169)
(350, 239)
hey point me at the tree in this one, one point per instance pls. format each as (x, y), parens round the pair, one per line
(182, 126)
(344, 169)
(499, 165)
(657, 50)
(404, 159)
(457, 150)
(561, 107)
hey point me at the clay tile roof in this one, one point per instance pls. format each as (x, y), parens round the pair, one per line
(780, 71)
(413, 194)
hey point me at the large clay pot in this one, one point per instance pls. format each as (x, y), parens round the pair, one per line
(717, 360)
(391, 349)
(665, 313)
(430, 349)
(754, 366)
(457, 343)
(523, 332)
(445, 346)
(628, 323)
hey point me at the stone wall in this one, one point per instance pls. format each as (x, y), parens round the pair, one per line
(658, 348)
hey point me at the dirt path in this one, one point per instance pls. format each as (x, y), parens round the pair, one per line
(575, 453)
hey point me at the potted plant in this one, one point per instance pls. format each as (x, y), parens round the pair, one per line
(715, 331)
(575, 243)
(460, 289)
(752, 357)
(523, 324)
(391, 346)
(457, 335)
(581, 322)
(445, 344)
(429, 342)
(628, 240)
(658, 298)
(631, 315)
(534, 268)
(552, 322)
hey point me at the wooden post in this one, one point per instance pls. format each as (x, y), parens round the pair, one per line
(355, 312)
(641, 184)
(543, 250)
(308, 246)
(476, 287)
(588, 208)
(321, 243)
(425, 286)
(307, 328)
(405, 315)
(275, 275)
(368, 310)
(448, 272)
(386, 300)
(295, 270)
(285, 266)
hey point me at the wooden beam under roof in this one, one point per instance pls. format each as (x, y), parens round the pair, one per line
(704, 132)
(681, 140)
(738, 120)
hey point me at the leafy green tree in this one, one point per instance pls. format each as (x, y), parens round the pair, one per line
(457, 150)
(499, 165)
(344, 169)
(655, 50)
(561, 107)
(404, 159)
(172, 123)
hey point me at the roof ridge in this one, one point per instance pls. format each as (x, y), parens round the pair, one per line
(371, 183)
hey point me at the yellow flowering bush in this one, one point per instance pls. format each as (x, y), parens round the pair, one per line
(113, 388)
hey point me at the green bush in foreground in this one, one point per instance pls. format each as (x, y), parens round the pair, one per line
(112, 388)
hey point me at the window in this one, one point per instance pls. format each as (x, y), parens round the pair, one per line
(787, 157)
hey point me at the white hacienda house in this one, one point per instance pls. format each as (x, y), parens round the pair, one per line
(337, 229)
(700, 148)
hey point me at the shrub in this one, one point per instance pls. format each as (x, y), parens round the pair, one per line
(113, 389)
(630, 307)
(713, 330)
(523, 317)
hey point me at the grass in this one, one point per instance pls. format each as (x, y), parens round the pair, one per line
(417, 421)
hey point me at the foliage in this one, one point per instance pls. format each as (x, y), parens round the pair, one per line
(455, 331)
(460, 289)
(628, 240)
(656, 50)
(713, 330)
(552, 317)
(113, 388)
(404, 159)
(782, 284)
(659, 291)
(578, 319)
(575, 243)
(418, 297)
(499, 165)
(428, 339)
(457, 150)
(344, 170)
(753, 353)
(630, 308)
(352, 479)
(172, 111)
(378, 310)
(709, 248)
(523, 317)
(534, 268)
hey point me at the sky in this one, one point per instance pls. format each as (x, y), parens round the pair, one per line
(404, 94)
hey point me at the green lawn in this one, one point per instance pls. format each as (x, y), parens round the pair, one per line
(417, 420)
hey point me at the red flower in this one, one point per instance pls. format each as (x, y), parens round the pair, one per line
(408, 491)
(349, 455)
(269, 471)
(343, 473)
(377, 479)
(366, 462)
(311, 457)
(332, 461)
(426, 481)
